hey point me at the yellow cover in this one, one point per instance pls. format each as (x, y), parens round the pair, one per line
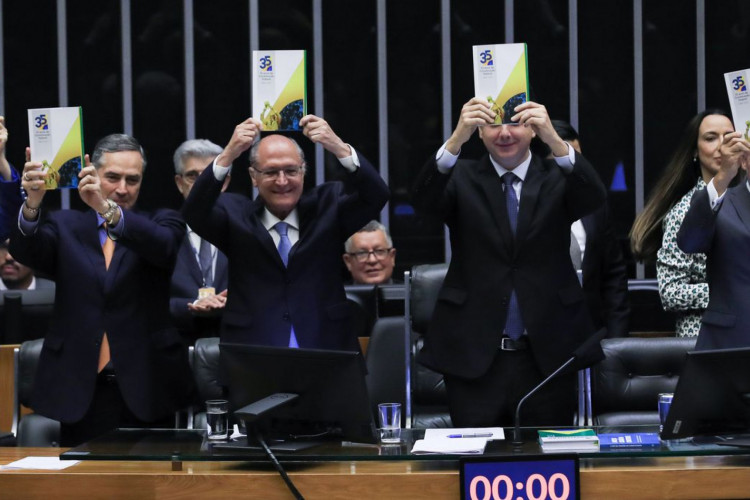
(56, 140)
(279, 88)
(501, 77)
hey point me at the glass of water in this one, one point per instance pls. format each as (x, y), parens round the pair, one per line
(217, 419)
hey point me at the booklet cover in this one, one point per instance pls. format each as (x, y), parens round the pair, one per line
(568, 439)
(629, 440)
(739, 100)
(56, 140)
(279, 88)
(501, 76)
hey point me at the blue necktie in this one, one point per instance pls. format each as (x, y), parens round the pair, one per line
(206, 262)
(284, 246)
(513, 323)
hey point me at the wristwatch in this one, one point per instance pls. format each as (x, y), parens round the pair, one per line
(109, 214)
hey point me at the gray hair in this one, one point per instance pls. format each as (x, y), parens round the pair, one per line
(254, 153)
(370, 227)
(116, 143)
(194, 148)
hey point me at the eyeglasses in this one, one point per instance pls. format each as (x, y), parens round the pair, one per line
(191, 176)
(363, 255)
(273, 173)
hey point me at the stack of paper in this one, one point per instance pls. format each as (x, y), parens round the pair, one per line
(568, 440)
(462, 441)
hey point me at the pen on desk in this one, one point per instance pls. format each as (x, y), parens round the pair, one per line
(483, 435)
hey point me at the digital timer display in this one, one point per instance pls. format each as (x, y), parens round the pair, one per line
(520, 478)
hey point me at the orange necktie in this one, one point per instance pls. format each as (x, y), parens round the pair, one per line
(108, 248)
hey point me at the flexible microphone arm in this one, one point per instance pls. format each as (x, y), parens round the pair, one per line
(517, 441)
(588, 353)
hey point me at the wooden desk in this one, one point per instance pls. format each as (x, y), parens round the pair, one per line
(647, 478)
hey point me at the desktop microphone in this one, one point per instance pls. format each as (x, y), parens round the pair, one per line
(588, 353)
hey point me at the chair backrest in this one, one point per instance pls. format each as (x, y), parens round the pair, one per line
(385, 362)
(205, 365)
(427, 404)
(626, 384)
(647, 316)
(31, 429)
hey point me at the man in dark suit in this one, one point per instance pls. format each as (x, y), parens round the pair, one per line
(10, 187)
(111, 357)
(285, 284)
(595, 251)
(199, 282)
(718, 224)
(511, 309)
(16, 276)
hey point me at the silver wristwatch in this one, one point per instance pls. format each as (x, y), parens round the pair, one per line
(109, 215)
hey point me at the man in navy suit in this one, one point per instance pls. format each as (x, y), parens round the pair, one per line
(285, 284)
(511, 309)
(199, 282)
(10, 187)
(111, 357)
(718, 224)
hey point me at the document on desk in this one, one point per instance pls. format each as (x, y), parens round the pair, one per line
(40, 463)
(461, 441)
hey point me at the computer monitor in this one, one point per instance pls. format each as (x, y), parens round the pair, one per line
(332, 398)
(25, 314)
(362, 300)
(712, 396)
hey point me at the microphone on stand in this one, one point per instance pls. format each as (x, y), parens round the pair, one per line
(587, 354)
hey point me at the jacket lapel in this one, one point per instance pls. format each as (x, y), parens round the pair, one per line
(491, 188)
(740, 199)
(256, 208)
(529, 198)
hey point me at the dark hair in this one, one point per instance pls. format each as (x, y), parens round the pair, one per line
(679, 177)
(115, 143)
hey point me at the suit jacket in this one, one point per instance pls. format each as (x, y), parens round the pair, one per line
(265, 298)
(724, 236)
(10, 200)
(488, 262)
(129, 301)
(186, 280)
(605, 277)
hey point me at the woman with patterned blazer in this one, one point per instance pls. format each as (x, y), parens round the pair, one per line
(682, 277)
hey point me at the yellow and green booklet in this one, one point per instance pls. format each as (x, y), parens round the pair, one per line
(56, 140)
(501, 76)
(279, 88)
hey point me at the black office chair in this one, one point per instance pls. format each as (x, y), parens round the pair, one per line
(205, 364)
(31, 429)
(426, 399)
(626, 384)
(647, 316)
(385, 357)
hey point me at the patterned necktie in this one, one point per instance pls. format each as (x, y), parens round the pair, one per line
(206, 262)
(513, 323)
(284, 246)
(108, 249)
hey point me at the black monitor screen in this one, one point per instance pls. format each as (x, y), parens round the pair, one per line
(333, 398)
(712, 396)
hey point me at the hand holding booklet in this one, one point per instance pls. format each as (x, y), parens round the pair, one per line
(460, 441)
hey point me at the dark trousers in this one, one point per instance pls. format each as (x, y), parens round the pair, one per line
(107, 412)
(491, 399)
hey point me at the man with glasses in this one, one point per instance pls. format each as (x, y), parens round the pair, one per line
(199, 282)
(511, 309)
(285, 284)
(370, 255)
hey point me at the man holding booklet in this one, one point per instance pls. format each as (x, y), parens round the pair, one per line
(111, 357)
(511, 309)
(284, 248)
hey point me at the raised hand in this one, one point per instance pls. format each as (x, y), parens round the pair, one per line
(318, 131)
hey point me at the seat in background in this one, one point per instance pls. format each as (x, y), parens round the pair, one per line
(626, 384)
(30, 429)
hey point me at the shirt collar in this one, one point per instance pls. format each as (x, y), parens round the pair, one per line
(520, 170)
(269, 220)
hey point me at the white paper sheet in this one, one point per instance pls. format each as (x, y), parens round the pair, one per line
(40, 463)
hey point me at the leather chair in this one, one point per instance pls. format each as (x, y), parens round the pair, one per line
(647, 316)
(626, 384)
(30, 429)
(385, 359)
(205, 365)
(427, 402)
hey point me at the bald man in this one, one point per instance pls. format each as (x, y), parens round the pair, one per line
(284, 248)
